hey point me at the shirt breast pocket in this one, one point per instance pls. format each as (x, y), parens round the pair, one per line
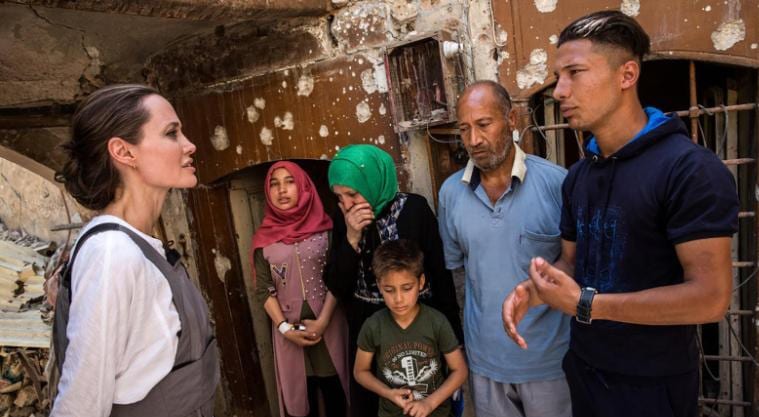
(533, 244)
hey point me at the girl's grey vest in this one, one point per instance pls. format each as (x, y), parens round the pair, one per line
(189, 389)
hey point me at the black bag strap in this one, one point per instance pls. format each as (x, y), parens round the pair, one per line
(60, 341)
(149, 251)
(103, 227)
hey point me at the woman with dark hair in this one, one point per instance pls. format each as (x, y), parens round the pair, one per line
(132, 335)
(364, 179)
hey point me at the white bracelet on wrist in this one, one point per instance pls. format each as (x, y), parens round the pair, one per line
(284, 327)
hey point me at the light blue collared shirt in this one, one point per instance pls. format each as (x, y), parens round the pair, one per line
(495, 243)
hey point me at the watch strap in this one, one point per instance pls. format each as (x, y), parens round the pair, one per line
(585, 304)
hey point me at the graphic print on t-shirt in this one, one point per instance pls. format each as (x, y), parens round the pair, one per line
(411, 365)
(605, 236)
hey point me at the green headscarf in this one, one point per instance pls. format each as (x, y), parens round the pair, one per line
(367, 169)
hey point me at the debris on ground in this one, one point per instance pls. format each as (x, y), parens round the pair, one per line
(23, 386)
(25, 322)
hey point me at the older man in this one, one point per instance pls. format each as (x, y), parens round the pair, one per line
(495, 215)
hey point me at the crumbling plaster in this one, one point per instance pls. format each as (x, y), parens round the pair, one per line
(57, 54)
(176, 225)
(267, 117)
(198, 54)
(238, 52)
(249, 49)
(193, 9)
(34, 204)
(41, 145)
(705, 30)
(299, 50)
(52, 55)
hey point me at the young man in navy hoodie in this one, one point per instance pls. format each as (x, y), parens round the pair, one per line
(646, 229)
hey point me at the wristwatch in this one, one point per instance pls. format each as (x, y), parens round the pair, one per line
(585, 304)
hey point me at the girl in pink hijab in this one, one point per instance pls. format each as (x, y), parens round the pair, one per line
(309, 331)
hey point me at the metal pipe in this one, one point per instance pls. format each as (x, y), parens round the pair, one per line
(739, 161)
(699, 338)
(720, 109)
(743, 264)
(552, 127)
(740, 312)
(70, 226)
(580, 138)
(728, 358)
(755, 204)
(726, 402)
(681, 113)
(745, 214)
(693, 103)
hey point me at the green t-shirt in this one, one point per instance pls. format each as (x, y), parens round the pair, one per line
(409, 358)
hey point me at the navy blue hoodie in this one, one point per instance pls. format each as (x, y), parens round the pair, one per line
(626, 213)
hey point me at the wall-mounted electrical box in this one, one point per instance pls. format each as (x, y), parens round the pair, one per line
(425, 75)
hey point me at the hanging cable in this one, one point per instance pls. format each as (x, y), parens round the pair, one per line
(740, 343)
(579, 144)
(701, 351)
(723, 141)
(753, 274)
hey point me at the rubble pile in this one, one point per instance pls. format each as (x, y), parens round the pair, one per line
(23, 386)
(25, 322)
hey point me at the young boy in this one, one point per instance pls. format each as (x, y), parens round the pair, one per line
(408, 340)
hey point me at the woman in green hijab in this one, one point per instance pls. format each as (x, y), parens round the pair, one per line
(369, 171)
(364, 179)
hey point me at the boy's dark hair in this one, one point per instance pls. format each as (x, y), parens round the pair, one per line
(611, 28)
(398, 255)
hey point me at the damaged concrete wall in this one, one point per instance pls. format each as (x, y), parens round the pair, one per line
(719, 31)
(306, 113)
(193, 9)
(34, 204)
(41, 145)
(65, 52)
(304, 88)
(241, 50)
(176, 227)
(58, 56)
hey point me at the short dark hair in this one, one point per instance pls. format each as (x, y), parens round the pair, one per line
(113, 111)
(611, 28)
(396, 256)
(500, 93)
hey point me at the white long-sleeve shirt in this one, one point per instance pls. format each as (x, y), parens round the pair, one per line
(123, 326)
